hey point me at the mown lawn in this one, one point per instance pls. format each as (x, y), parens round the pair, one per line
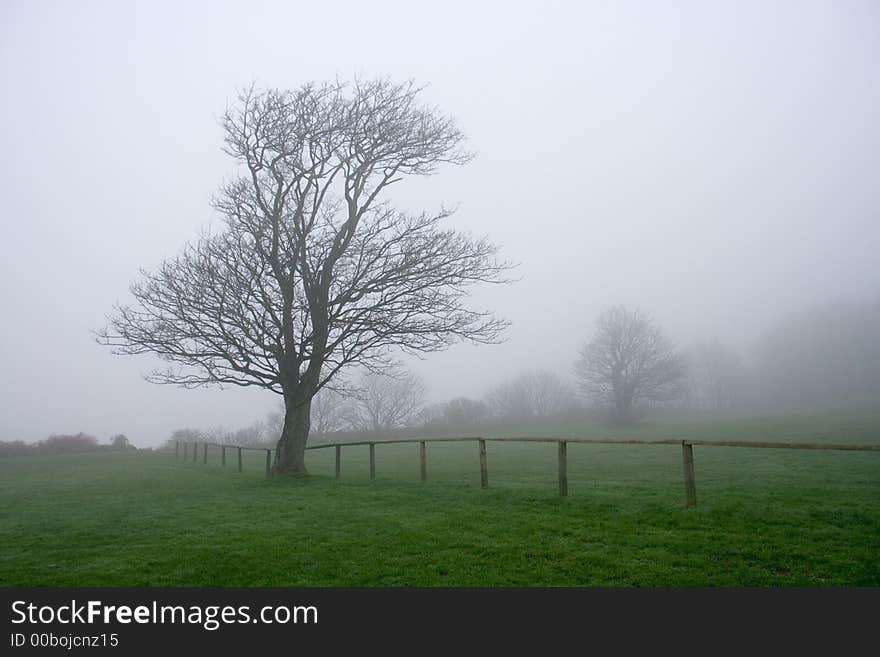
(764, 517)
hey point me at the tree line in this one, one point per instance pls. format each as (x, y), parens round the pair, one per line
(628, 366)
(821, 356)
(63, 444)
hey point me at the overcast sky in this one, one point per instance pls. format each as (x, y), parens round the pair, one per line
(716, 164)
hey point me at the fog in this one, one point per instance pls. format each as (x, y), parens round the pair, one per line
(715, 164)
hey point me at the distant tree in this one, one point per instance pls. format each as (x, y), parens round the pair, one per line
(717, 377)
(548, 393)
(629, 359)
(15, 448)
(826, 354)
(431, 415)
(535, 394)
(120, 441)
(61, 443)
(462, 411)
(313, 271)
(185, 436)
(386, 402)
(274, 422)
(329, 410)
(257, 434)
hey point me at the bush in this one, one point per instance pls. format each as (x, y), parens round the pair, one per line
(54, 444)
(63, 443)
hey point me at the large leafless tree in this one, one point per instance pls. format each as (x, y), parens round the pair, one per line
(313, 270)
(628, 359)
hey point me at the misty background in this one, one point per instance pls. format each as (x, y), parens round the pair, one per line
(715, 164)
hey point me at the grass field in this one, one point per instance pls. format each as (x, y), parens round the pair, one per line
(764, 517)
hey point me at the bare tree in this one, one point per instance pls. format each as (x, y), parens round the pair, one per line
(531, 395)
(716, 376)
(827, 355)
(185, 436)
(386, 402)
(258, 434)
(274, 423)
(629, 359)
(313, 270)
(120, 441)
(431, 415)
(329, 411)
(464, 412)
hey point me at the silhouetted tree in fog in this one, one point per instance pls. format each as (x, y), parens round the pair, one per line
(313, 271)
(120, 441)
(530, 395)
(386, 402)
(717, 379)
(184, 436)
(828, 354)
(330, 410)
(462, 411)
(629, 359)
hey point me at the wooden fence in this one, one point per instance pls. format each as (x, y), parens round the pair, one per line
(687, 449)
(204, 445)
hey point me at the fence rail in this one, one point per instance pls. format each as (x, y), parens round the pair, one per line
(223, 448)
(687, 447)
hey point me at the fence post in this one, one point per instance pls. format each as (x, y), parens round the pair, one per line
(185, 450)
(372, 461)
(239, 459)
(223, 455)
(563, 468)
(205, 454)
(484, 468)
(268, 462)
(423, 461)
(195, 451)
(176, 450)
(338, 460)
(690, 483)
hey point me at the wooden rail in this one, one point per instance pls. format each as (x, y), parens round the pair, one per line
(687, 447)
(223, 447)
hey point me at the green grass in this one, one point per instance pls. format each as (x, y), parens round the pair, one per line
(764, 517)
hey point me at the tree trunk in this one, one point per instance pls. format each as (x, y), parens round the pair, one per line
(291, 452)
(622, 407)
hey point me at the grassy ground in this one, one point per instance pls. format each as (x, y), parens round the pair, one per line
(764, 517)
